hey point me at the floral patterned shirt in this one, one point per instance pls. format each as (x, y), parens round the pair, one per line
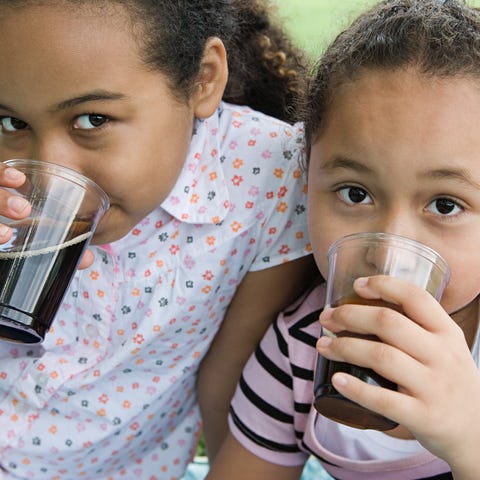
(110, 394)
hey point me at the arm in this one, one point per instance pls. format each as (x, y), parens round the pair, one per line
(237, 463)
(259, 299)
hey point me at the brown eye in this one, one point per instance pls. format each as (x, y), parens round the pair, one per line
(90, 121)
(12, 124)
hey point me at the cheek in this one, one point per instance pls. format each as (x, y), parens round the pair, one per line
(461, 290)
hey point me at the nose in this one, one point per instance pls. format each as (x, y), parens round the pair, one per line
(54, 149)
(397, 220)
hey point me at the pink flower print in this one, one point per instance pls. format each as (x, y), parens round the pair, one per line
(214, 153)
(181, 300)
(103, 398)
(254, 191)
(282, 192)
(267, 154)
(189, 262)
(80, 427)
(273, 134)
(192, 167)
(249, 205)
(255, 131)
(237, 124)
(130, 273)
(174, 200)
(208, 275)
(252, 143)
(237, 180)
(159, 224)
(233, 145)
(174, 249)
(138, 339)
(284, 249)
(136, 232)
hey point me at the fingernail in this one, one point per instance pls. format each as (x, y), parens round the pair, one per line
(12, 174)
(361, 282)
(324, 342)
(17, 204)
(3, 231)
(339, 380)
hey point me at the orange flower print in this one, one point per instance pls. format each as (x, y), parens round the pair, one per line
(282, 207)
(211, 241)
(237, 163)
(236, 226)
(94, 275)
(278, 172)
(213, 176)
(297, 173)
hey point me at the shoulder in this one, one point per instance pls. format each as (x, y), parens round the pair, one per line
(258, 129)
(300, 319)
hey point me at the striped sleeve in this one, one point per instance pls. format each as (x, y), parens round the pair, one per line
(266, 415)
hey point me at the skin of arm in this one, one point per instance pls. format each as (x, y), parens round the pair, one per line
(257, 302)
(236, 463)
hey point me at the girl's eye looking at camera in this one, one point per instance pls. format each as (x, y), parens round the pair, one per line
(12, 124)
(90, 121)
(445, 206)
(353, 195)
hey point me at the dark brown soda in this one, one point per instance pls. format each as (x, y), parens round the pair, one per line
(335, 406)
(32, 285)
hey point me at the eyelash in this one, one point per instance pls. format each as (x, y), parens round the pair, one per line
(105, 121)
(444, 217)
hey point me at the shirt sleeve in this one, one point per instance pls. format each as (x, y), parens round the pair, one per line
(262, 410)
(283, 234)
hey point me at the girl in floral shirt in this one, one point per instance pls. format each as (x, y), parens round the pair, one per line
(207, 220)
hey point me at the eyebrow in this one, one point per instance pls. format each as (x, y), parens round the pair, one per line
(84, 98)
(87, 97)
(345, 163)
(458, 174)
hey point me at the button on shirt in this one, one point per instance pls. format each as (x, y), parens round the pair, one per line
(110, 392)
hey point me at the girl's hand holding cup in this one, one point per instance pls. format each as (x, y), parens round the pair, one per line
(435, 399)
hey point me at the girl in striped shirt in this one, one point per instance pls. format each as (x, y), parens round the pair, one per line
(392, 121)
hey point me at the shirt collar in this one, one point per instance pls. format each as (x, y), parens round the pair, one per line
(200, 194)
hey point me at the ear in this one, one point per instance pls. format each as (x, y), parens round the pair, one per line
(212, 79)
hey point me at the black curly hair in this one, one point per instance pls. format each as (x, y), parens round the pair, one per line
(440, 38)
(266, 70)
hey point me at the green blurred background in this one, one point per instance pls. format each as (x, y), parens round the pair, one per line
(314, 23)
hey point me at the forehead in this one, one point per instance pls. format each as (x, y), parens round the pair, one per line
(403, 115)
(47, 50)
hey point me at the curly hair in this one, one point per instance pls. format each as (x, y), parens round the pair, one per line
(266, 70)
(440, 38)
